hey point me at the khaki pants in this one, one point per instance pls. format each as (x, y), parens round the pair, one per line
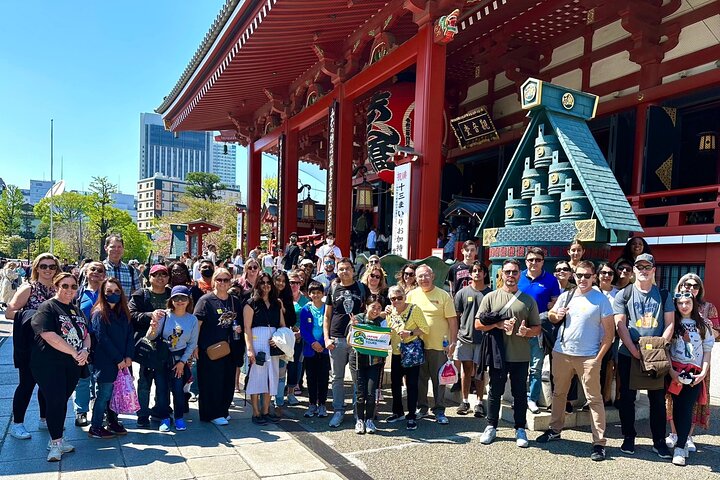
(564, 367)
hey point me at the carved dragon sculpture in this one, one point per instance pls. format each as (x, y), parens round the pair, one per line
(446, 27)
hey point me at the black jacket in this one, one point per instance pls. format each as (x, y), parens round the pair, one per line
(492, 346)
(114, 344)
(141, 311)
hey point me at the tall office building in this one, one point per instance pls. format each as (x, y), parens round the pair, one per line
(224, 162)
(37, 191)
(172, 154)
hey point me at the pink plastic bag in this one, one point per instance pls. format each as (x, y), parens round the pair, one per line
(448, 374)
(124, 398)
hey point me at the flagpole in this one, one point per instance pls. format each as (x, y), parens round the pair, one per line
(52, 181)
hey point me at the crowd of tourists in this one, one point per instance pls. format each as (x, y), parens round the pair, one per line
(195, 329)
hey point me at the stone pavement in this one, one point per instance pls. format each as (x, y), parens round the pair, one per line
(309, 448)
(240, 450)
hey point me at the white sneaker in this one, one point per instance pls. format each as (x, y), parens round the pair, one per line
(359, 427)
(64, 446)
(17, 430)
(42, 424)
(221, 421)
(533, 407)
(369, 426)
(671, 440)
(679, 457)
(55, 454)
(690, 445)
(488, 436)
(521, 438)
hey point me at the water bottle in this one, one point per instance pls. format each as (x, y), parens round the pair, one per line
(446, 343)
(236, 335)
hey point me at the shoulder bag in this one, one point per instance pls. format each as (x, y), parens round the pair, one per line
(152, 353)
(412, 354)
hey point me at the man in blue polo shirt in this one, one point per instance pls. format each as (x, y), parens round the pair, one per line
(544, 288)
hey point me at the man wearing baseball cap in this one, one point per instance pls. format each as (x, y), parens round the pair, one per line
(642, 310)
(148, 304)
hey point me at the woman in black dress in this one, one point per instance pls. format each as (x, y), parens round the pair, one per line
(217, 313)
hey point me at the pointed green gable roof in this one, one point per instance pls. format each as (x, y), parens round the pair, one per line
(566, 111)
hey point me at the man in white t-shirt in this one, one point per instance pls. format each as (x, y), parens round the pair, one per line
(584, 337)
(328, 248)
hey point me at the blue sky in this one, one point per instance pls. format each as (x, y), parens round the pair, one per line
(93, 67)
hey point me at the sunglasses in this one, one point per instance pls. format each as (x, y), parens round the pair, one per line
(46, 266)
(605, 272)
(534, 260)
(683, 295)
(96, 269)
(691, 285)
(642, 268)
(625, 269)
(563, 269)
(223, 280)
(587, 276)
(179, 298)
(511, 273)
(265, 282)
(293, 282)
(159, 274)
(329, 263)
(372, 275)
(396, 299)
(251, 268)
(409, 274)
(65, 286)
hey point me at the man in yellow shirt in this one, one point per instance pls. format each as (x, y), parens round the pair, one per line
(439, 309)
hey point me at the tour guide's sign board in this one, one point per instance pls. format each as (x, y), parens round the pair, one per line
(370, 340)
(401, 210)
(474, 128)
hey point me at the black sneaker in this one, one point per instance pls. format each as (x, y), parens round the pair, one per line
(101, 433)
(81, 420)
(628, 446)
(117, 428)
(463, 409)
(271, 418)
(456, 387)
(411, 425)
(569, 408)
(479, 410)
(143, 421)
(259, 420)
(598, 453)
(549, 435)
(663, 451)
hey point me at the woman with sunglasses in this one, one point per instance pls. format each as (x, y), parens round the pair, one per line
(27, 299)
(406, 277)
(112, 352)
(693, 284)
(282, 285)
(625, 275)
(407, 323)
(250, 275)
(179, 330)
(607, 278)
(690, 355)
(218, 315)
(263, 314)
(61, 349)
(374, 279)
(563, 273)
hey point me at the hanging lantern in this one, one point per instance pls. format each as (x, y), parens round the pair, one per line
(708, 142)
(364, 200)
(308, 209)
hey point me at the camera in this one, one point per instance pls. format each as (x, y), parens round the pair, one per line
(260, 359)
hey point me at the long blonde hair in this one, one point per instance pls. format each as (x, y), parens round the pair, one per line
(35, 272)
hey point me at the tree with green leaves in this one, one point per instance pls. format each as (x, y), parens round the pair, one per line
(11, 203)
(101, 201)
(204, 185)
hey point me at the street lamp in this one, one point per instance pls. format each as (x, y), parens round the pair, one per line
(308, 205)
(364, 200)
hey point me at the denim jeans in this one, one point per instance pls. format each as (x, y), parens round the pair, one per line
(280, 394)
(537, 355)
(102, 404)
(165, 383)
(338, 361)
(194, 389)
(84, 392)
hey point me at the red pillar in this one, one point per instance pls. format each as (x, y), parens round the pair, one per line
(343, 174)
(289, 196)
(428, 133)
(253, 195)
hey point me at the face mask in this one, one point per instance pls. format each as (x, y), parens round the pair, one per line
(113, 298)
(331, 242)
(206, 272)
